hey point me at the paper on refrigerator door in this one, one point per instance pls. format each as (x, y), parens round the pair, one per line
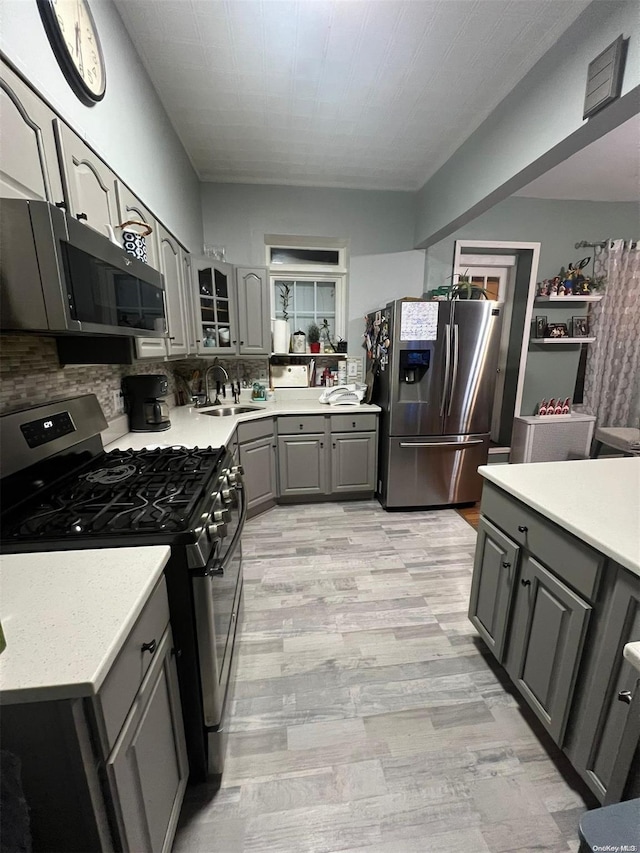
(419, 321)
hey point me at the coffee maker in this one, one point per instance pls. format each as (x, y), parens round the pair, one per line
(148, 412)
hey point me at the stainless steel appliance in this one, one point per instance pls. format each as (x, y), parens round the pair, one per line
(147, 410)
(61, 276)
(436, 394)
(62, 491)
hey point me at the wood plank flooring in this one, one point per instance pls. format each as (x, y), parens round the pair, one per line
(368, 716)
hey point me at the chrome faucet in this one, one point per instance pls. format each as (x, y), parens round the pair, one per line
(207, 398)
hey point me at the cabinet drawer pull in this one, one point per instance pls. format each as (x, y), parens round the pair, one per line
(149, 647)
(625, 696)
(62, 205)
(506, 565)
(522, 528)
(353, 424)
(301, 426)
(525, 582)
(81, 216)
(172, 338)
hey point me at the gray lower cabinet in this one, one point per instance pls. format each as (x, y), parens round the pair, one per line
(547, 637)
(494, 572)
(258, 459)
(607, 723)
(353, 462)
(557, 614)
(108, 771)
(147, 768)
(327, 455)
(302, 466)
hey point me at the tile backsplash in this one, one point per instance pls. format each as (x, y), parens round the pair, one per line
(30, 374)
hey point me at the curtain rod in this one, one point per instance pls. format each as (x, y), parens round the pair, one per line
(585, 244)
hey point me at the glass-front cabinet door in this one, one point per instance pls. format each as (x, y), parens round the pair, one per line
(215, 307)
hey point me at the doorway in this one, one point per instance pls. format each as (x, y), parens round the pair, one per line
(507, 271)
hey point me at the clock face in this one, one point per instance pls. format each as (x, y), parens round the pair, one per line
(73, 36)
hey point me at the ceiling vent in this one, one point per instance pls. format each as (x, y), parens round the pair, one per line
(604, 77)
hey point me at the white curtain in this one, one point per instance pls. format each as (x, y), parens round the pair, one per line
(612, 379)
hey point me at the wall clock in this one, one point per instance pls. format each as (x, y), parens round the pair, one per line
(72, 32)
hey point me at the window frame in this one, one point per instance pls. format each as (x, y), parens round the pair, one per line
(337, 273)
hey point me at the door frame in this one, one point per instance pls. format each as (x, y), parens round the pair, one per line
(509, 247)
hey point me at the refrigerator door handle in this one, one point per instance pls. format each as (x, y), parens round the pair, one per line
(440, 443)
(447, 359)
(454, 377)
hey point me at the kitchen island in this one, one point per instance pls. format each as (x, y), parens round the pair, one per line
(90, 700)
(556, 597)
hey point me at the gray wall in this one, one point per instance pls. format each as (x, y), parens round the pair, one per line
(128, 128)
(237, 216)
(540, 118)
(557, 226)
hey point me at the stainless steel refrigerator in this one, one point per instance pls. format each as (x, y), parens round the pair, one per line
(435, 369)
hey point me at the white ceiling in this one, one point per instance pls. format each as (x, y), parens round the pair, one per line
(607, 170)
(336, 93)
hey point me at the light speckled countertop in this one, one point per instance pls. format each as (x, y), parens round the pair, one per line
(66, 615)
(598, 500)
(193, 428)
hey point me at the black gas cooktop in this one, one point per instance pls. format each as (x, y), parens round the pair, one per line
(124, 492)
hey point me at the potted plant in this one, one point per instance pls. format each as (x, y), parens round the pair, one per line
(464, 288)
(281, 330)
(313, 336)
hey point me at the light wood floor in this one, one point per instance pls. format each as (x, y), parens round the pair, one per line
(368, 717)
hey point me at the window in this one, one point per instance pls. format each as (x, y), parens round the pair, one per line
(308, 283)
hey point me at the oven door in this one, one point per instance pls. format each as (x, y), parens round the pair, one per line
(216, 597)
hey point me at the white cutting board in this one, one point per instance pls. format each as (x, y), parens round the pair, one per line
(289, 376)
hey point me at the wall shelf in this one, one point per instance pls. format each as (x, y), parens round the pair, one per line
(561, 340)
(308, 355)
(569, 299)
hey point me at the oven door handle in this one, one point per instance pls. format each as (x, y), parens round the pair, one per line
(220, 565)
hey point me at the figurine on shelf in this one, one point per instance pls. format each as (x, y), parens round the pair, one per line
(561, 289)
(566, 406)
(542, 408)
(553, 290)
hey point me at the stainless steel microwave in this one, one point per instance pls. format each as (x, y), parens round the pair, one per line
(58, 275)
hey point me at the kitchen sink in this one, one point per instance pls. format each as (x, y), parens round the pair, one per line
(224, 411)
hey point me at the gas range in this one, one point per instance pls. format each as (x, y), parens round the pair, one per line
(62, 491)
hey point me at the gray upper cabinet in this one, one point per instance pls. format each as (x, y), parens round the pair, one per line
(302, 465)
(130, 208)
(172, 266)
(254, 311)
(494, 572)
(29, 163)
(606, 713)
(231, 309)
(89, 184)
(548, 631)
(353, 462)
(147, 769)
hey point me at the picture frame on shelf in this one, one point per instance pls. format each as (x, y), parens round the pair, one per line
(580, 327)
(540, 326)
(557, 330)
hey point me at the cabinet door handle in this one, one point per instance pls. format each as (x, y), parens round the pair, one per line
(506, 565)
(172, 338)
(625, 696)
(241, 343)
(322, 444)
(334, 445)
(81, 216)
(522, 528)
(525, 582)
(149, 647)
(62, 205)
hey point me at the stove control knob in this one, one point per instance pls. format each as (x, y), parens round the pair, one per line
(217, 531)
(234, 475)
(221, 515)
(225, 494)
